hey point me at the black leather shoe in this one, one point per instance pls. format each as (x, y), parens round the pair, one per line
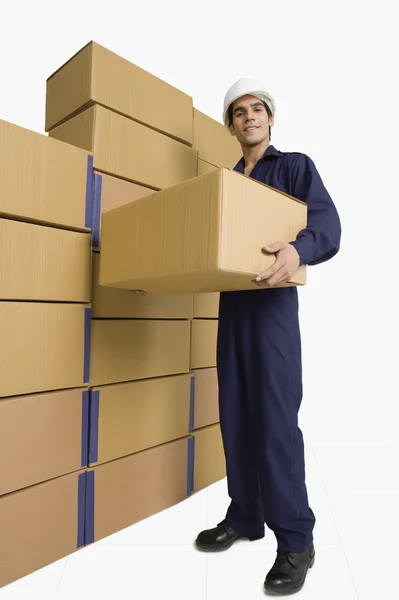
(288, 574)
(220, 538)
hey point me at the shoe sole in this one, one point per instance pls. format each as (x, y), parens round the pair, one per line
(205, 548)
(274, 592)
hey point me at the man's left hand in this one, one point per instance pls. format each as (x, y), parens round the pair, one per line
(286, 264)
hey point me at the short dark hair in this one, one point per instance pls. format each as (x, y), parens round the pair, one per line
(269, 114)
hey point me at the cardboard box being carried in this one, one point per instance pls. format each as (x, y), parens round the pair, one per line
(44, 263)
(44, 180)
(42, 436)
(96, 74)
(40, 525)
(127, 149)
(205, 235)
(130, 489)
(114, 303)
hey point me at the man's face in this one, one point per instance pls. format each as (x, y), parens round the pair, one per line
(250, 121)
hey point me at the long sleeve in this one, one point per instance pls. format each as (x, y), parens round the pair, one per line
(320, 241)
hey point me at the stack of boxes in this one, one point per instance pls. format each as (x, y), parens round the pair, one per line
(108, 400)
(45, 256)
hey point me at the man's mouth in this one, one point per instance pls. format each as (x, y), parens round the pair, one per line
(251, 128)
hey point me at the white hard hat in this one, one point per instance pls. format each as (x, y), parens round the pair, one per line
(244, 87)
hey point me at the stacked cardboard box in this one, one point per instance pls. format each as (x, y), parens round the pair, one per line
(45, 264)
(143, 391)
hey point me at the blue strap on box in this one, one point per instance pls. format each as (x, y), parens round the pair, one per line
(94, 413)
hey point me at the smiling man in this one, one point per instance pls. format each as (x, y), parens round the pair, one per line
(259, 358)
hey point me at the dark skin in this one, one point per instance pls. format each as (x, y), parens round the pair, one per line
(251, 128)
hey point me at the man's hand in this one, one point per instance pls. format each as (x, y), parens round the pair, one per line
(139, 292)
(286, 264)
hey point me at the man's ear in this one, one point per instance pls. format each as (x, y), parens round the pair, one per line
(232, 130)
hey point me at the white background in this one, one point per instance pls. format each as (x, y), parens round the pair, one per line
(332, 68)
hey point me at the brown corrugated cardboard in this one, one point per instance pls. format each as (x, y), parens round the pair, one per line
(42, 437)
(40, 525)
(206, 306)
(112, 192)
(204, 167)
(206, 406)
(214, 144)
(133, 488)
(43, 180)
(128, 149)
(131, 417)
(125, 350)
(209, 458)
(205, 235)
(203, 343)
(114, 303)
(44, 263)
(44, 347)
(96, 74)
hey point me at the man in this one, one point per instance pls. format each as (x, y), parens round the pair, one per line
(259, 358)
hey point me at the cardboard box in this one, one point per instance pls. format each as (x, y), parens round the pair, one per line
(44, 347)
(96, 74)
(206, 306)
(130, 417)
(40, 525)
(205, 235)
(215, 145)
(206, 398)
(44, 263)
(209, 457)
(128, 149)
(130, 489)
(112, 192)
(125, 350)
(114, 303)
(42, 437)
(205, 167)
(203, 343)
(44, 180)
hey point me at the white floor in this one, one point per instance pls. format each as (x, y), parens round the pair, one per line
(354, 493)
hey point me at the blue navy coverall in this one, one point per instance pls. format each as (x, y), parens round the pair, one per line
(260, 373)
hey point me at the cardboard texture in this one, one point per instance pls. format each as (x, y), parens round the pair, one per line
(133, 488)
(128, 149)
(206, 395)
(45, 347)
(203, 343)
(209, 457)
(42, 437)
(44, 263)
(43, 180)
(112, 192)
(205, 235)
(125, 350)
(114, 303)
(96, 74)
(204, 167)
(206, 306)
(39, 525)
(131, 417)
(214, 144)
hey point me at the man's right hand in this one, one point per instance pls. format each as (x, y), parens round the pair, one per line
(139, 292)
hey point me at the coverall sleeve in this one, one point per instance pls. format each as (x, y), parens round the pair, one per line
(320, 241)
